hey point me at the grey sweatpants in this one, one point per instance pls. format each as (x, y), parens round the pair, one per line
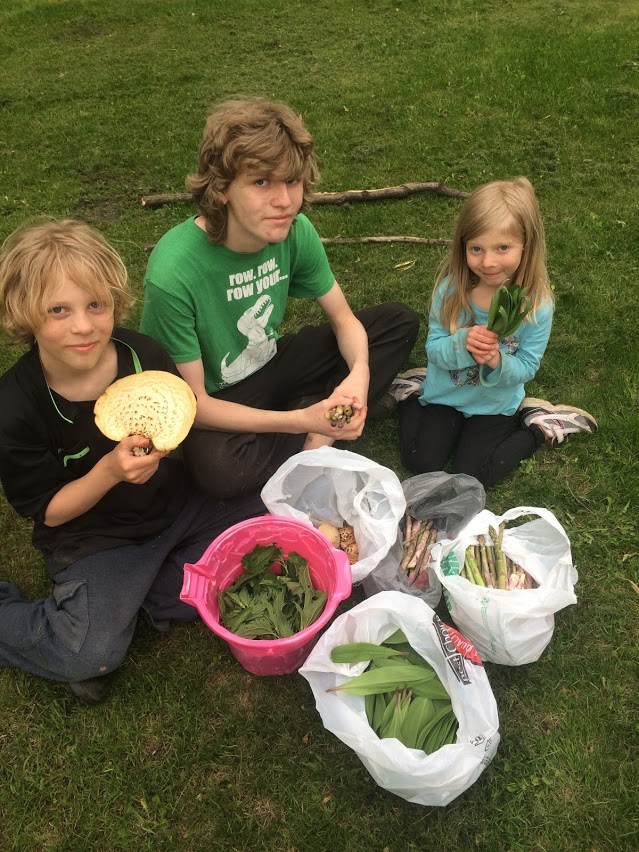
(85, 627)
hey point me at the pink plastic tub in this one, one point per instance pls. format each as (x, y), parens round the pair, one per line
(221, 563)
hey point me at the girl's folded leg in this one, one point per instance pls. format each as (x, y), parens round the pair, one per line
(428, 434)
(491, 447)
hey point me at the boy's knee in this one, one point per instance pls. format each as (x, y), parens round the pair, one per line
(99, 655)
(409, 318)
(394, 320)
(219, 467)
(82, 669)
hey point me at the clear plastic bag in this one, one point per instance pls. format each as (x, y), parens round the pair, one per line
(512, 627)
(434, 779)
(450, 501)
(334, 485)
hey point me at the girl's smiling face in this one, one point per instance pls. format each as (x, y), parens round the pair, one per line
(494, 257)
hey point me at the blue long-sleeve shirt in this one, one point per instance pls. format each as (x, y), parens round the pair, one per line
(454, 378)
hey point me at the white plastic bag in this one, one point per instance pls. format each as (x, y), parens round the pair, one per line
(434, 779)
(511, 627)
(334, 485)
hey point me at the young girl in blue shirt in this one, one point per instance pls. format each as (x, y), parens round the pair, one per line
(471, 402)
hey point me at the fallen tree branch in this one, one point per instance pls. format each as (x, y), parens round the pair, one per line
(429, 241)
(401, 191)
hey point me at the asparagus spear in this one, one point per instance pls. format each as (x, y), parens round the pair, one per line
(411, 539)
(490, 555)
(472, 569)
(417, 559)
(485, 565)
(500, 559)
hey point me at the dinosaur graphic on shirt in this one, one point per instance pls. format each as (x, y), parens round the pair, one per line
(260, 347)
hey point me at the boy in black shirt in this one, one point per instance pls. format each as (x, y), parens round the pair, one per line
(115, 528)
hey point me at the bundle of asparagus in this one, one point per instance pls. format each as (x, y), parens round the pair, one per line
(403, 697)
(487, 565)
(419, 537)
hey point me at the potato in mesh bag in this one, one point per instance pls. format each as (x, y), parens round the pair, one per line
(154, 403)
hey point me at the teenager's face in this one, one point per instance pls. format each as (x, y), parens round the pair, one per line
(494, 256)
(260, 210)
(76, 332)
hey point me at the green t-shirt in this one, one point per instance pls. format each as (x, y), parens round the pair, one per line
(204, 301)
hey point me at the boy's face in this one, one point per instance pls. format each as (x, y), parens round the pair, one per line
(75, 334)
(260, 210)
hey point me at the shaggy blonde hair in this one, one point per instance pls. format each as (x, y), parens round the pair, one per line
(35, 257)
(249, 134)
(511, 206)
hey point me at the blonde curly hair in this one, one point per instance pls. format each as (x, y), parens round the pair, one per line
(249, 134)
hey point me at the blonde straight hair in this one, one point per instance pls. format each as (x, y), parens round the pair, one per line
(511, 206)
(35, 258)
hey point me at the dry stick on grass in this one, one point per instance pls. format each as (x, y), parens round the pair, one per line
(429, 241)
(342, 198)
(401, 191)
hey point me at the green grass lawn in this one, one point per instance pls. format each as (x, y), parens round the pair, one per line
(102, 103)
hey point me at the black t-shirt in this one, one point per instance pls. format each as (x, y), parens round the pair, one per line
(47, 441)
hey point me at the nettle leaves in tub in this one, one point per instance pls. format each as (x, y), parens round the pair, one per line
(274, 599)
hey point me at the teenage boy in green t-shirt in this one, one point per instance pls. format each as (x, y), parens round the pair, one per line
(216, 291)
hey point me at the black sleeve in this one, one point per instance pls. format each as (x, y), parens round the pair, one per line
(29, 470)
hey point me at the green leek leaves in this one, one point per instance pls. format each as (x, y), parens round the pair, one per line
(507, 310)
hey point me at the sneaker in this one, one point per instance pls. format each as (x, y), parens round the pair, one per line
(93, 690)
(556, 421)
(406, 384)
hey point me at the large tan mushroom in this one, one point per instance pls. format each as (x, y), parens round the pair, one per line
(156, 404)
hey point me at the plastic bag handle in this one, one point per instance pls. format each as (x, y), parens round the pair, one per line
(544, 514)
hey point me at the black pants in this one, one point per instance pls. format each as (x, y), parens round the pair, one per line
(306, 369)
(487, 447)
